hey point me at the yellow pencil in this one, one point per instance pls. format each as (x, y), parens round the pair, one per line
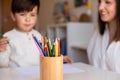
(56, 48)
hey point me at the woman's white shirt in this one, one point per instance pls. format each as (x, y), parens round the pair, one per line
(103, 55)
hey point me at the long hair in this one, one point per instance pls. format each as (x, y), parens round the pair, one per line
(102, 24)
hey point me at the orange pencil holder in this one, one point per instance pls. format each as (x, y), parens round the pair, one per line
(51, 68)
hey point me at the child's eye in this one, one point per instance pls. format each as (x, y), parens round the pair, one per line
(33, 14)
(22, 14)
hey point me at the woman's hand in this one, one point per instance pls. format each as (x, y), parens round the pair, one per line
(3, 44)
(67, 59)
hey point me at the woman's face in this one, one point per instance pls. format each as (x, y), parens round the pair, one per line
(107, 10)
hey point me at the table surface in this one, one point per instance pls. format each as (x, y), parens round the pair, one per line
(90, 73)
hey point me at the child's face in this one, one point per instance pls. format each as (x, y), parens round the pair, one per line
(26, 20)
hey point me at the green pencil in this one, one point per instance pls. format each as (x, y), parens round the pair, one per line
(1, 36)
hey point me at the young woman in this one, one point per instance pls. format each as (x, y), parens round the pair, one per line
(104, 47)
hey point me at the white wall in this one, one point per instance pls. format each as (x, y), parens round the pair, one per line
(78, 35)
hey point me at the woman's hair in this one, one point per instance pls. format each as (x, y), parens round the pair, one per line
(24, 5)
(103, 24)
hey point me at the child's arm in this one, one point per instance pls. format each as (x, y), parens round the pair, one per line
(4, 52)
(4, 57)
(67, 59)
(3, 44)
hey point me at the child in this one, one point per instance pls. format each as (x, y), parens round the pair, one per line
(21, 50)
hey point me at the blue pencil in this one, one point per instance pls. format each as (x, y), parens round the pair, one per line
(45, 54)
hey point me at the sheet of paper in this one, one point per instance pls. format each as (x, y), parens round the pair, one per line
(68, 69)
(35, 70)
(29, 71)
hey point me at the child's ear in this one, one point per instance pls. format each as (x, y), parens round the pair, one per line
(13, 16)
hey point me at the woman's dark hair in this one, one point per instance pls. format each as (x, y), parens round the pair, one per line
(24, 5)
(103, 24)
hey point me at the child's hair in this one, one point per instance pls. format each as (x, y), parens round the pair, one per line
(24, 5)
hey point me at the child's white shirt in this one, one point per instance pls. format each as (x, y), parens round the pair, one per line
(21, 50)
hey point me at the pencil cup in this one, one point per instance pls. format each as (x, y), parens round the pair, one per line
(51, 68)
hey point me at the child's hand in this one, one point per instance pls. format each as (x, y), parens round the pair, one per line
(3, 44)
(67, 59)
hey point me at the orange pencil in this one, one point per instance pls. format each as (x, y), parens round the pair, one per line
(46, 49)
